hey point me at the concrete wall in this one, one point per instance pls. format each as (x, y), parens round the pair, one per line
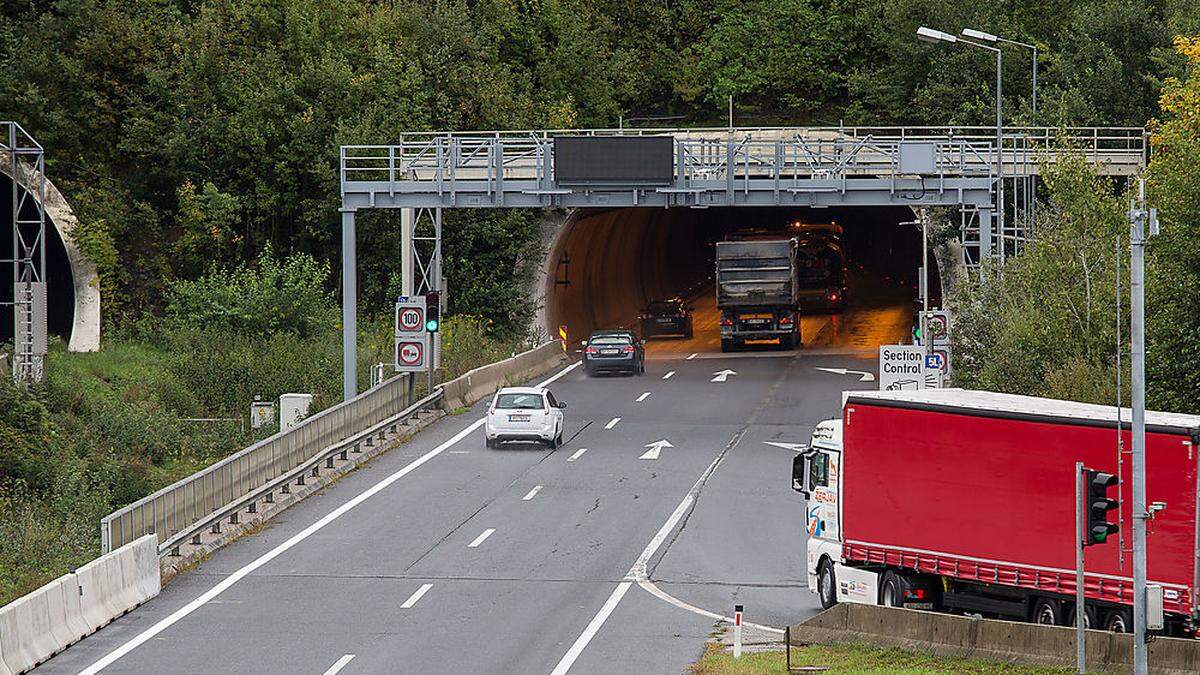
(484, 381)
(1005, 641)
(85, 326)
(45, 622)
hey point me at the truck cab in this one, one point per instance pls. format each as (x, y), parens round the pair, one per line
(816, 474)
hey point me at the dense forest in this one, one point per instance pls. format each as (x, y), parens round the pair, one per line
(198, 140)
(192, 131)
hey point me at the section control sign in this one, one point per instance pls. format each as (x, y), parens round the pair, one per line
(901, 367)
(412, 340)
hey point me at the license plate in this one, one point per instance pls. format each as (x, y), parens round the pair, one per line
(518, 418)
(665, 320)
(757, 322)
(608, 352)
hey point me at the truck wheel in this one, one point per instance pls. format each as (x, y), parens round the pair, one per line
(826, 584)
(1118, 621)
(1047, 612)
(1089, 616)
(891, 592)
(490, 443)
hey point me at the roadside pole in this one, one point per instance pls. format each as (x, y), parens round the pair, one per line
(737, 631)
(1142, 223)
(1080, 614)
(926, 338)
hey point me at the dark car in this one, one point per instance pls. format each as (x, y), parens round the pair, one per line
(667, 317)
(614, 351)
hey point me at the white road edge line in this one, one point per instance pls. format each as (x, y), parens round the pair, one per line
(339, 664)
(636, 573)
(531, 493)
(668, 375)
(481, 538)
(692, 356)
(612, 423)
(417, 595)
(224, 585)
(577, 455)
(643, 397)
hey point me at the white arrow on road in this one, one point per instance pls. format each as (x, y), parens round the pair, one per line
(794, 447)
(866, 377)
(722, 375)
(655, 448)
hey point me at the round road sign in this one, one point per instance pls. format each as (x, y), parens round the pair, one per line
(410, 353)
(411, 319)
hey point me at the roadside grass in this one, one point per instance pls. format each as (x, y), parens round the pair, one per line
(853, 659)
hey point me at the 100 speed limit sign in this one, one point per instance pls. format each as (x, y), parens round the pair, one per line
(410, 319)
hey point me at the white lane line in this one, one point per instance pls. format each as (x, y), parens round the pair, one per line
(612, 423)
(668, 375)
(417, 595)
(536, 489)
(482, 536)
(643, 397)
(657, 592)
(224, 585)
(692, 356)
(577, 455)
(339, 664)
(636, 573)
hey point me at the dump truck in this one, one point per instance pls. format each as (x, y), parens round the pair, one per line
(964, 501)
(757, 291)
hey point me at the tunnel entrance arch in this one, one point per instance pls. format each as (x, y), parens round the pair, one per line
(959, 167)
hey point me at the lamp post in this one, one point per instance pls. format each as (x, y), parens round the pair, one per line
(994, 39)
(926, 34)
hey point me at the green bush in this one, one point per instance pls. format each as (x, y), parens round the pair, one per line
(271, 296)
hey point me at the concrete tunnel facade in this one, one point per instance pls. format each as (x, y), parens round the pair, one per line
(603, 265)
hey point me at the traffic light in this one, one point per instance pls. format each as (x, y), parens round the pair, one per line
(433, 312)
(1098, 505)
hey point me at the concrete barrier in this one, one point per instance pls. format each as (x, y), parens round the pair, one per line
(39, 625)
(989, 639)
(485, 380)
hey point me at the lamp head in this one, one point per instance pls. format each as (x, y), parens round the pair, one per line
(926, 34)
(980, 35)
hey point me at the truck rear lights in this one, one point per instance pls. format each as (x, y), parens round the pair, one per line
(785, 321)
(833, 297)
(726, 321)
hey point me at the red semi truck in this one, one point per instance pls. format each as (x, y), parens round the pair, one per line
(964, 501)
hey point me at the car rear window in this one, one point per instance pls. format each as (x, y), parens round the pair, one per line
(611, 340)
(663, 307)
(519, 402)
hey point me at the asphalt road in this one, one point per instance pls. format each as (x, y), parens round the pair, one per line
(525, 560)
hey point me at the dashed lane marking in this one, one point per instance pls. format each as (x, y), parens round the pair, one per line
(417, 595)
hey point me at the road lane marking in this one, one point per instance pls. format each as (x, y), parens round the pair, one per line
(692, 356)
(417, 595)
(481, 538)
(226, 583)
(655, 448)
(577, 455)
(643, 397)
(536, 489)
(722, 375)
(865, 376)
(612, 423)
(638, 571)
(668, 375)
(339, 664)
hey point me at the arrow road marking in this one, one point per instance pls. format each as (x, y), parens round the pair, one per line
(866, 377)
(655, 448)
(722, 375)
(794, 447)
(417, 595)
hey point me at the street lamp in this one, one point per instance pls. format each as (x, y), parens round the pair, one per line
(926, 34)
(988, 37)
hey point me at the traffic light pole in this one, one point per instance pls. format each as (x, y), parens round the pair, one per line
(1080, 613)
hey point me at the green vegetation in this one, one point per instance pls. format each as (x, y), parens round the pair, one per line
(107, 428)
(1047, 324)
(851, 659)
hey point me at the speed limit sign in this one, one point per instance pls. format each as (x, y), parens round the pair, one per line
(411, 319)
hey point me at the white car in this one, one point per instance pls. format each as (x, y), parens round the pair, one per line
(524, 414)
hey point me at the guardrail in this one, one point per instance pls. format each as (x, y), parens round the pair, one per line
(192, 503)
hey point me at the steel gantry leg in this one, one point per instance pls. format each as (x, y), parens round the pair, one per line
(349, 308)
(28, 172)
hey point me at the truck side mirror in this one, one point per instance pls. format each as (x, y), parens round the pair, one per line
(800, 473)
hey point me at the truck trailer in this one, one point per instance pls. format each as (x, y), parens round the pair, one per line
(964, 501)
(757, 291)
